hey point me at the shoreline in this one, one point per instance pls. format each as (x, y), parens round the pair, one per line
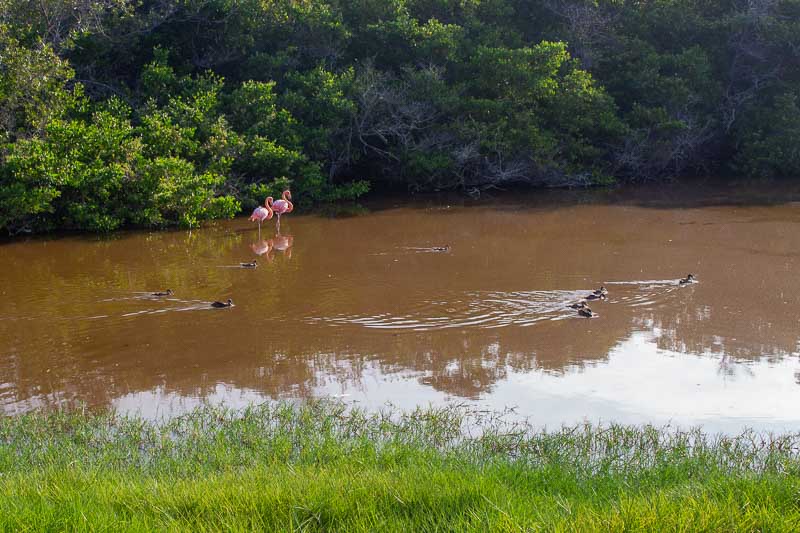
(686, 193)
(318, 465)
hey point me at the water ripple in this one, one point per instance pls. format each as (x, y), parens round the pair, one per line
(497, 309)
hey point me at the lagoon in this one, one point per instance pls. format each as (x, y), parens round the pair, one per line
(429, 300)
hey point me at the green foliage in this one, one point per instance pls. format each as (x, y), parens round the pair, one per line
(226, 101)
(771, 140)
(32, 88)
(96, 175)
(322, 101)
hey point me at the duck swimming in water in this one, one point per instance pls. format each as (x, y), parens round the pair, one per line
(167, 292)
(253, 264)
(602, 290)
(219, 304)
(578, 305)
(688, 279)
(594, 296)
(445, 248)
(586, 312)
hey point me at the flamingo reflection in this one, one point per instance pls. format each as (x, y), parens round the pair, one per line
(261, 247)
(283, 243)
(266, 248)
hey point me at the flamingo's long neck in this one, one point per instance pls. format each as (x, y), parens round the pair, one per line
(287, 197)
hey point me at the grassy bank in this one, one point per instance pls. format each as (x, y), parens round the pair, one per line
(318, 466)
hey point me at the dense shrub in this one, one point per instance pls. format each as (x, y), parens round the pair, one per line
(157, 113)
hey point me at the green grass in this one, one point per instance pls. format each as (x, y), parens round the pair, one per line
(319, 466)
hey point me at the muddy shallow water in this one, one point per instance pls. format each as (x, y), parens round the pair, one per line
(427, 301)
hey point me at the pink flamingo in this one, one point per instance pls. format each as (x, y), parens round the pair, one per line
(284, 205)
(262, 213)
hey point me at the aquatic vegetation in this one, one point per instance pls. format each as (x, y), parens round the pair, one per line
(322, 465)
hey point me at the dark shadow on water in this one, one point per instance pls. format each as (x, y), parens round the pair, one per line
(342, 210)
(697, 193)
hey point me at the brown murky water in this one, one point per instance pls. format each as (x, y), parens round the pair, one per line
(363, 308)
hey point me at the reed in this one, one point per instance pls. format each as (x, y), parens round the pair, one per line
(321, 465)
